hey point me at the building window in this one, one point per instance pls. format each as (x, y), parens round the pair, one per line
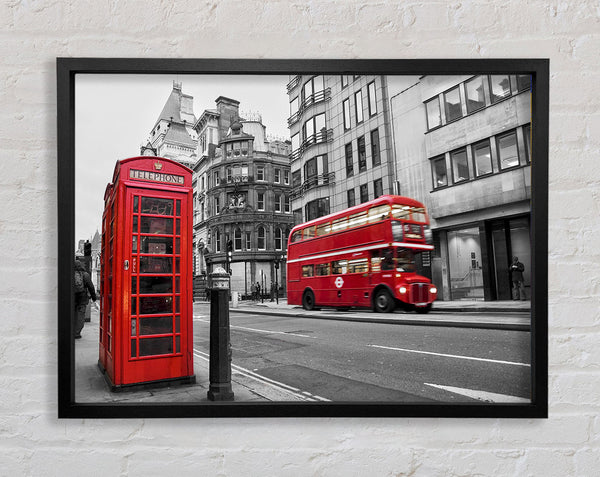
(349, 160)
(237, 240)
(364, 193)
(286, 177)
(482, 158)
(344, 81)
(310, 171)
(372, 99)
(362, 154)
(244, 147)
(229, 175)
(314, 129)
(287, 203)
(262, 238)
(277, 176)
(378, 188)
(228, 149)
(218, 241)
(296, 179)
(317, 208)
(278, 203)
(527, 136)
(375, 147)
(358, 105)
(460, 166)
(475, 97)
(452, 104)
(523, 82)
(248, 241)
(346, 108)
(440, 174)
(260, 173)
(216, 176)
(278, 239)
(351, 198)
(217, 206)
(295, 142)
(434, 116)
(294, 103)
(260, 203)
(508, 151)
(499, 87)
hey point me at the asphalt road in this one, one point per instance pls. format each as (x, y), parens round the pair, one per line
(356, 361)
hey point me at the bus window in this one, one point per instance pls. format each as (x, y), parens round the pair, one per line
(309, 232)
(339, 224)
(396, 230)
(356, 220)
(418, 215)
(308, 271)
(378, 213)
(339, 267)
(405, 261)
(375, 261)
(323, 229)
(296, 236)
(323, 269)
(401, 212)
(387, 259)
(359, 265)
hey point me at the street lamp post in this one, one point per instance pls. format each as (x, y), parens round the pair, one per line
(276, 262)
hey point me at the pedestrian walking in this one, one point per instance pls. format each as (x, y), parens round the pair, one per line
(516, 272)
(84, 289)
(257, 291)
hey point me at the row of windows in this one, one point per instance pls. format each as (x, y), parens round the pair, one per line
(240, 173)
(359, 107)
(373, 215)
(281, 202)
(381, 260)
(314, 130)
(243, 240)
(471, 96)
(483, 158)
(361, 149)
(364, 192)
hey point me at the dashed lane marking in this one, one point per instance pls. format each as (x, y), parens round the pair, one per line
(481, 395)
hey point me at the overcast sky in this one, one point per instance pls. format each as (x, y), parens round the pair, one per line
(115, 113)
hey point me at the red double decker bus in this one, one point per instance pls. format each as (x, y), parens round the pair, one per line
(364, 256)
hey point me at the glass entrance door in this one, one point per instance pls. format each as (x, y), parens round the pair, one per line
(155, 317)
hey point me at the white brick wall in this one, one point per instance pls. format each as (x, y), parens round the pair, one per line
(33, 442)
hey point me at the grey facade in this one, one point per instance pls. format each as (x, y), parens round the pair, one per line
(462, 146)
(341, 142)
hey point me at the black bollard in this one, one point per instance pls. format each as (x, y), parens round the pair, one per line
(220, 345)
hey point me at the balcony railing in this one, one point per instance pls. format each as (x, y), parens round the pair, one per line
(317, 97)
(295, 81)
(313, 182)
(324, 135)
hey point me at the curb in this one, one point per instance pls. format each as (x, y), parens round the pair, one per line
(399, 321)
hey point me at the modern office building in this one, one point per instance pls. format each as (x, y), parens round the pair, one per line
(242, 200)
(462, 146)
(342, 151)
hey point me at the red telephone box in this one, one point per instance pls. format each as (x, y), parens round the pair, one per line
(146, 275)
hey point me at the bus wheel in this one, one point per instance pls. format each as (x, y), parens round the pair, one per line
(383, 301)
(308, 300)
(423, 309)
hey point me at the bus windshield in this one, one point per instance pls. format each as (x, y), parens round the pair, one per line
(405, 260)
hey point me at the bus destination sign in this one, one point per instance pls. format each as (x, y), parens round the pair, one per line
(156, 176)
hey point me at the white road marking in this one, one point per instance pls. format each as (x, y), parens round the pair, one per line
(451, 355)
(481, 395)
(269, 332)
(267, 381)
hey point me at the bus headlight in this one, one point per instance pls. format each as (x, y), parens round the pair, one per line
(432, 290)
(402, 290)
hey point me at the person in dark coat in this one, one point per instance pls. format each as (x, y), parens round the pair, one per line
(516, 272)
(82, 286)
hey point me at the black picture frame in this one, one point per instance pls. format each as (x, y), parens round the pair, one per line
(68, 68)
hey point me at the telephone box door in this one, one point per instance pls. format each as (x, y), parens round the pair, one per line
(157, 321)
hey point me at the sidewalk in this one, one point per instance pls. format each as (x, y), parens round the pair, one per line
(90, 386)
(499, 315)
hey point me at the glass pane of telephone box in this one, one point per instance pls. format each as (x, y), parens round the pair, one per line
(153, 305)
(151, 285)
(156, 206)
(156, 265)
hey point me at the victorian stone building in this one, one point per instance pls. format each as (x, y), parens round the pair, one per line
(242, 199)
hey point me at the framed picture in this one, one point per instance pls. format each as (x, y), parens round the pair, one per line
(302, 238)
